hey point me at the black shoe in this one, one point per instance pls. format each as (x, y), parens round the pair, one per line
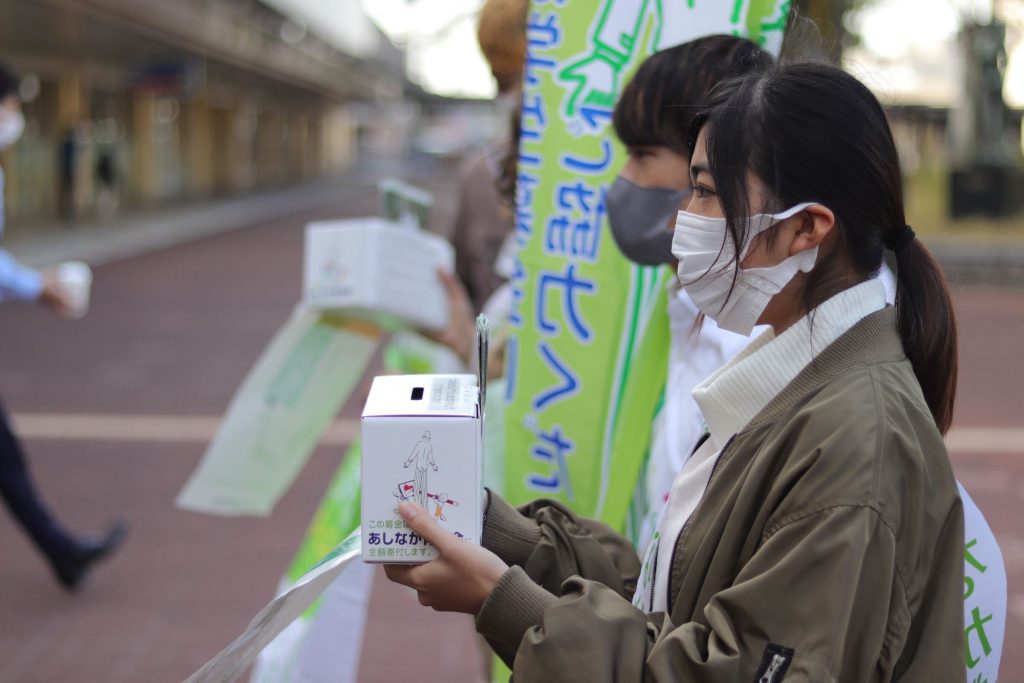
(71, 571)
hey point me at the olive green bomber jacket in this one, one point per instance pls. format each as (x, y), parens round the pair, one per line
(827, 547)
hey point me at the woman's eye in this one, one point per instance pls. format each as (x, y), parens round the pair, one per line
(703, 192)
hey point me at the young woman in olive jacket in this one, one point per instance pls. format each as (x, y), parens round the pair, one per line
(816, 534)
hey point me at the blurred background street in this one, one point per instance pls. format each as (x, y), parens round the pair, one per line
(117, 409)
(180, 148)
(147, 376)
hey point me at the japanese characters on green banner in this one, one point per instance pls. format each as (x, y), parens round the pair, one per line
(587, 358)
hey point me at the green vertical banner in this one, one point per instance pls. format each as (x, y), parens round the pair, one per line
(587, 357)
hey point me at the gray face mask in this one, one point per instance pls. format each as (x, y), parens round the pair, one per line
(639, 219)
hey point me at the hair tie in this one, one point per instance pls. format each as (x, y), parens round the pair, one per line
(897, 239)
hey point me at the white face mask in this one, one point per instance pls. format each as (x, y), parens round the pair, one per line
(707, 263)
(12, 123)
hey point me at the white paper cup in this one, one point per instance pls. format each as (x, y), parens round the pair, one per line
(75, 278)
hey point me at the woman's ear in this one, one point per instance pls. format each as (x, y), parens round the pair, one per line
(816, 222)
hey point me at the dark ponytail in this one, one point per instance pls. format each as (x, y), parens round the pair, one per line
(812, 132)
(927, 323)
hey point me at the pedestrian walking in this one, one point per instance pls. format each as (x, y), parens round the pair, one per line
(70, 556)
(107, 199)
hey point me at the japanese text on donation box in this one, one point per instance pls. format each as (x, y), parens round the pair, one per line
(421, 444)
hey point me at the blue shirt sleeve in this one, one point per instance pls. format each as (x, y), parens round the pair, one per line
(18, 281)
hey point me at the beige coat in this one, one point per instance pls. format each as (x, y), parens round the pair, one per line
(482, 223)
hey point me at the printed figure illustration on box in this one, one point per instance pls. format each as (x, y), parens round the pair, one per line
(422, 454)
(417, 489)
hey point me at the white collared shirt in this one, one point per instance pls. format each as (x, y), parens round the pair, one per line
(692, 356)
(729, 399)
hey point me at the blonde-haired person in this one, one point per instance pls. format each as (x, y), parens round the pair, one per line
(483, 218)
(501, 33)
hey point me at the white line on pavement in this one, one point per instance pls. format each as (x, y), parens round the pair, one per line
(984, 440)
(201, 428)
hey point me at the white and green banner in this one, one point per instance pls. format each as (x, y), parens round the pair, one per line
(296, 654)
(985, 595)
(279, 413)
(276, 418)
(587, 358)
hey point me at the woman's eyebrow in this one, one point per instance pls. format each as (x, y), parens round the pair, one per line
(697, 169)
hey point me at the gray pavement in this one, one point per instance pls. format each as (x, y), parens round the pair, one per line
(140, 231)
(990, 262)
(171, 334)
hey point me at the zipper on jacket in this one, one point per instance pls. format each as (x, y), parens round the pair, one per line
(682, 532)
(654, 578)
(769, 675)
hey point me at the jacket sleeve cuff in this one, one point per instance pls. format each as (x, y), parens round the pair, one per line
(515, 605)
(508, 533)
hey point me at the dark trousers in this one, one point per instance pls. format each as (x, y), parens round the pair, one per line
(23, 501)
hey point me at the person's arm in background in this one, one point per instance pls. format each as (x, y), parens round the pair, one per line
(18, 282)
(482, 223)
(460, 333)
(465, 242)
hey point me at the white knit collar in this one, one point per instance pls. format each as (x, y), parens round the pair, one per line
(734, 394)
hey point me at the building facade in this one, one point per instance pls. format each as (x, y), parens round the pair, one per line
(147, 101)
